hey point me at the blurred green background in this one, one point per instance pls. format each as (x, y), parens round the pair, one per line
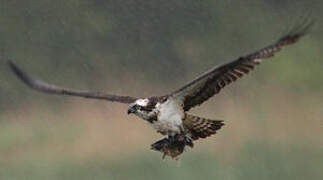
(274, 124)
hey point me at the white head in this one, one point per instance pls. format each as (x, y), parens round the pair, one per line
(141, 108)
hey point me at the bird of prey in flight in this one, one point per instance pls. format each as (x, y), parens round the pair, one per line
(168, 114)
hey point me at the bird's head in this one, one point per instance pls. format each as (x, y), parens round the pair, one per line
(141, 108)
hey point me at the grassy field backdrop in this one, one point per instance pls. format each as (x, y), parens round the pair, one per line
(142, 48)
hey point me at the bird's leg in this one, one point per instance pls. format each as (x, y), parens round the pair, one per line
(172, 139)
(188, 141)
(183, 139)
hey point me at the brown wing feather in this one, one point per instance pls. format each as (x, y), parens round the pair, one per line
(211, 82)
(52, 89)
(199, 127)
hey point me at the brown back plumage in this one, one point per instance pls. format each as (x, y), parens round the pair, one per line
(199, 127)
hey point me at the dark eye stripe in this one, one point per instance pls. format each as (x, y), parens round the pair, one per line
(142, 108)
(145, 109)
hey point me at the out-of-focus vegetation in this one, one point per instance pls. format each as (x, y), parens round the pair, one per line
(273, 117)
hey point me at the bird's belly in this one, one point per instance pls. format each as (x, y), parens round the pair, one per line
(167, 127)
(169, 119)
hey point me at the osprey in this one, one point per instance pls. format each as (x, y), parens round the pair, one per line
(168, 113)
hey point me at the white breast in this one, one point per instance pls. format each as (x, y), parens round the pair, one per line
(169, 119)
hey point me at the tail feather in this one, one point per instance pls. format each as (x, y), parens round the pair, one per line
(199, 127)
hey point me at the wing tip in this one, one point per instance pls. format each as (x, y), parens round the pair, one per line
(19, 73)
(298, 31)
(14, 68)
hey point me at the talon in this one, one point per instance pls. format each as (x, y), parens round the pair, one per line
(189, 141)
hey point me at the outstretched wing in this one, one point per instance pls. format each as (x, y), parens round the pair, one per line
(53, 89)
(211, 82)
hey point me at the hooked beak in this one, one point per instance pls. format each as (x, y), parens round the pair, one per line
(131, 110)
